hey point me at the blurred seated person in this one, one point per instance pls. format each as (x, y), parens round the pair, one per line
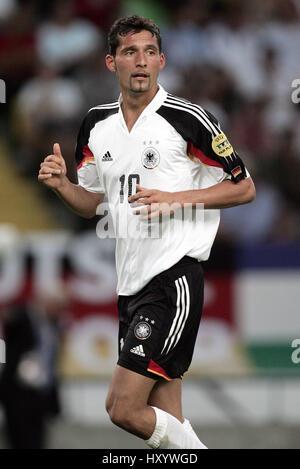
(28, 382)
(257, 223)
(102, 13)
(65, 40)
(92, 72)
(17, 42)
(46, 108)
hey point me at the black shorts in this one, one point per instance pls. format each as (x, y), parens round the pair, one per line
(159, 325)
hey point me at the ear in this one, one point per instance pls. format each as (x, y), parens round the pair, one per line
(110, 62)
(162, 61)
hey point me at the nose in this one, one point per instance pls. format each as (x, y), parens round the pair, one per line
(141, 60)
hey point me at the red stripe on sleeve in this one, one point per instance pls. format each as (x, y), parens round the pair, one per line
(87, 154)
(196, 152)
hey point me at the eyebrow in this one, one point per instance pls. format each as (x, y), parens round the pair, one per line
(147, 46)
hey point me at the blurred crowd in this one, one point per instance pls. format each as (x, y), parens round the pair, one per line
(29, 384)
(237, 59)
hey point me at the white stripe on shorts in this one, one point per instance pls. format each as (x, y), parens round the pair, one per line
(182, 312)
(187, 310)
(178, 310)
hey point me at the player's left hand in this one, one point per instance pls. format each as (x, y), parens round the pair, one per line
(154, 202)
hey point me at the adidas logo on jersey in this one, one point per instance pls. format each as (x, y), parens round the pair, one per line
(107, 157)
(138, 350)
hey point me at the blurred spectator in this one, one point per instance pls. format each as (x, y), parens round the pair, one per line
(100, 12)
(184, 42)
(282, 32)
(274, 215)
(97, 84)
(257, 221)
(29, 386)
(154, 10)
(277, 89)
(65, 40)
(285, 167)
(211, 88)
(249, 127)
(233, 45)
(279, 37)
(171, 79)
(46, 103)
(17, 45)
(7, 8)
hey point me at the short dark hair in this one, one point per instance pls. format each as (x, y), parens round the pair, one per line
(125, 25)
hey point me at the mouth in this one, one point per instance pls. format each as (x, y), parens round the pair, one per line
(140, 75)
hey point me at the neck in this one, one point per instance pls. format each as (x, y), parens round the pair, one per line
(133, 104)
(136, 102)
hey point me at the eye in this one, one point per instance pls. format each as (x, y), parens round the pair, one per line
(129, 52)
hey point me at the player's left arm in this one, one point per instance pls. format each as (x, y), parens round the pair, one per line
(222, 195)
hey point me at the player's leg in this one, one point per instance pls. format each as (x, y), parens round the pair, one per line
(126, 402)
(156, 338)
(166, 395)
(188, 298)
(127, 407)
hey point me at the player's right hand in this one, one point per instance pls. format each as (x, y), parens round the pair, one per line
(53, 169)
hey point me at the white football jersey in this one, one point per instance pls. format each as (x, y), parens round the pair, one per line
(173, 146)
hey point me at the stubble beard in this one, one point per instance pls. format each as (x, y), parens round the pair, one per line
(139, 87)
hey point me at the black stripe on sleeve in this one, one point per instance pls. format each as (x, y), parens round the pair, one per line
(95, 115)
(198, 128)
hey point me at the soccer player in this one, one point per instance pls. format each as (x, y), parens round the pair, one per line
(148, 150)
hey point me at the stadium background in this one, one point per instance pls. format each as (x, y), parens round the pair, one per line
(241, 62)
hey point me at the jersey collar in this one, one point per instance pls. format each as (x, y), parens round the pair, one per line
(152, 107)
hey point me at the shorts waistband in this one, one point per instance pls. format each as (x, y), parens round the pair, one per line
(185, 260)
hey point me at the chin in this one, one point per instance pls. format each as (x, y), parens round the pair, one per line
(140, 89)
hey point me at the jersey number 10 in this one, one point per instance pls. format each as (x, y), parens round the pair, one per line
(133, 179)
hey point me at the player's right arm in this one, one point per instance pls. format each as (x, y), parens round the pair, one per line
(53, 174)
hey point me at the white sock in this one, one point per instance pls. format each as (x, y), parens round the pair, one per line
(190, 429)
(170, 433)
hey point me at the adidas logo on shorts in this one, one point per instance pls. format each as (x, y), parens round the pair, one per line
(138, 350)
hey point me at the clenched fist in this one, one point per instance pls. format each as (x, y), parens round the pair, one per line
(53, 169)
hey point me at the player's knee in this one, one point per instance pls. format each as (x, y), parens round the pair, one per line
(120, 417)
(119, 413)
(108, 404)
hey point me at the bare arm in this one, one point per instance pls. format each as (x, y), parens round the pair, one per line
(223, 195)
(79, 200)
(53, 175)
